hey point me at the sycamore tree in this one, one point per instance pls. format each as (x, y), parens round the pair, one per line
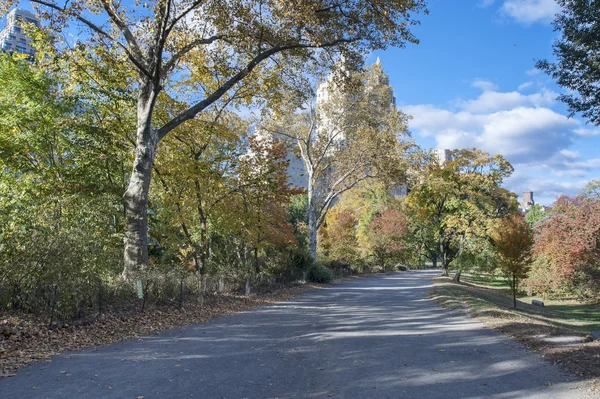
(219, 45)
(513, 240)
(355, 136)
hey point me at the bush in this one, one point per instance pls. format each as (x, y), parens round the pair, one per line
(320, 274)
(403, 268)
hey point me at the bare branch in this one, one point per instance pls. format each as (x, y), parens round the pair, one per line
(139, 63)
(185, 12)
(232, 81)
(131, 41)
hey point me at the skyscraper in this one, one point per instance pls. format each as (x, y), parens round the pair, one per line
(13, 37)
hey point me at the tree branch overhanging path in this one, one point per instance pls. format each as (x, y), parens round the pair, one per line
(232, 43)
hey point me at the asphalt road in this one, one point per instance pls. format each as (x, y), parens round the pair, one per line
(374, 337)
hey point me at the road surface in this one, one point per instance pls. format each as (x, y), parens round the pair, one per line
(373, 337)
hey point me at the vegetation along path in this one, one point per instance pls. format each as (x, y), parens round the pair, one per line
(374, 337)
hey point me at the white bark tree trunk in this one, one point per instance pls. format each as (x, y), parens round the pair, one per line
(136, 195)
(312, 219)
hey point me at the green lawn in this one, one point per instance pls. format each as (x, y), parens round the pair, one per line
(484, 293)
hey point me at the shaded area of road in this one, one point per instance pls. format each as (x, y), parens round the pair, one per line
(374, 337)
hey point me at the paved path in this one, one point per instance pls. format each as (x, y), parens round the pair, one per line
(374, 337)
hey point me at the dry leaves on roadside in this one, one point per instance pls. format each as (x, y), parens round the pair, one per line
(23, 341)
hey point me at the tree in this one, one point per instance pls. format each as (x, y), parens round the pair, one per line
(576, 51)
(338, 236)
(357, 135)
(535, 214)
(460, 199)
(230, 51)
(60, 185)
(513, 239)
(387, 237)
(592, 190)
(212, 179)
(567, 249)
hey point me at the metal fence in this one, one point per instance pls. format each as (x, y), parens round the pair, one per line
(81, 300)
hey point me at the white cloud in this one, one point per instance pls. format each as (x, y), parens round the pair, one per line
(490, 101)
(523, 128)
(587, 132)
(485, 85)
(530, 11)
(545, 190)
(533, 72)
(524, 86)
(522, 134)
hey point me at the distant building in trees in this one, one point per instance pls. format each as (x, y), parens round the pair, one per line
(13, 37)
(527, 202)
(443, 155)
(326, 91)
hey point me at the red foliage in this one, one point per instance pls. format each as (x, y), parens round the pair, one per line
(389, 231)
(567, 246)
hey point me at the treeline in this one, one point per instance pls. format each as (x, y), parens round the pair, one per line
(458, 217)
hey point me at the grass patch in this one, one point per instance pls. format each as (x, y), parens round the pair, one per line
(486, 280)
(581, 316)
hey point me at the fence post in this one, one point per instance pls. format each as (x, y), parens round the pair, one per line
(247, 285)
(53, 307)
(99, 296)
(181, 294)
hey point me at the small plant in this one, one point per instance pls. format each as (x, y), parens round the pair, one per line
(320, 274)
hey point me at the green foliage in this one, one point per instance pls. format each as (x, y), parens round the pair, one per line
(457, 201)
(576, 67)
(320, 274)
(535, 214)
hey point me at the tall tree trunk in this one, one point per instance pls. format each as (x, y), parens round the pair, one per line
(444, 256)
(312, 221)
(457, 276)
(203, 228)
(136, 195)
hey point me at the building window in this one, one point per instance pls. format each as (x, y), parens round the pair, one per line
(16, 29)
(33, 21)
(12, 37)
(23, 40)
(21, 49)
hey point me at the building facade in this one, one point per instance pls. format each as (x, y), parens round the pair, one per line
(13, 37)
(527, 202)
(329, 106)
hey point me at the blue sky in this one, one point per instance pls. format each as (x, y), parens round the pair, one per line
(471, 82)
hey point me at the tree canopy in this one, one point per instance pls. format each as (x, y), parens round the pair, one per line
(577, 58)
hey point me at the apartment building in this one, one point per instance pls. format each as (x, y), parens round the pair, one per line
(13, 37)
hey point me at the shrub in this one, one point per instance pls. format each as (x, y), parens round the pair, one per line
(320, 274)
